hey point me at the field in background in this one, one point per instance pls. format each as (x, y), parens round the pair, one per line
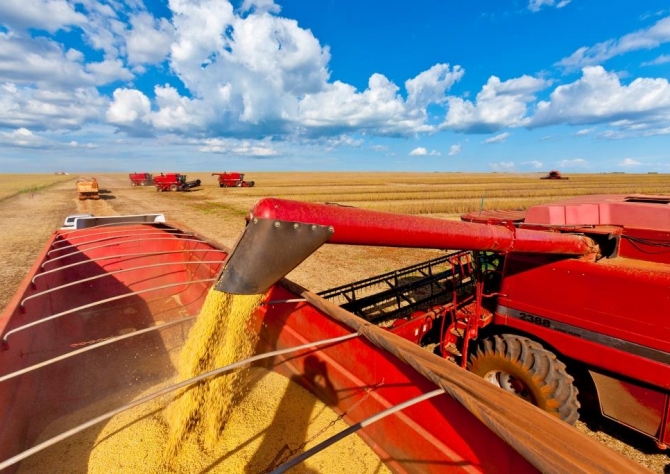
(218, 213)
(427, 193)
(13, 184)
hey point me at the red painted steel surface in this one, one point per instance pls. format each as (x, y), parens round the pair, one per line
(620, 210)
(28, 403)
(606, 298)
(604, 313)
(439, 435)
(363, 227)
(434, 436)
(494, 216)
(232, 179)
(140, 179)
(618, 302)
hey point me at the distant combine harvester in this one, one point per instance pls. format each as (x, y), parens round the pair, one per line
(554, 175)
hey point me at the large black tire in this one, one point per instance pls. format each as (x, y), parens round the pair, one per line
(174, 187)
(523, 367)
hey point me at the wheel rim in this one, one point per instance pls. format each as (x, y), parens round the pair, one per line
(510, 383)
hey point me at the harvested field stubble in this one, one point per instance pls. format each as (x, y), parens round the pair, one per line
(13, 184)
(217, 213)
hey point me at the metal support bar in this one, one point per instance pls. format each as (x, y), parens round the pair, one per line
(109, 257)
(93, 346)
(110, 245)
(97, 303)
(121, 236)
(353, 428)
(50, 442)
(142, 267)
(98, 234)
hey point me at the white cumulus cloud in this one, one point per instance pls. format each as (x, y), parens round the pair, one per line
(600, 97)
(250, 148)
(626, 162)
(499, 104)
(418, 151)
(49, 15)
(455, 149)
(109, 70)
(28, 107)
(149, 40)
(129, 107)
(430, 86)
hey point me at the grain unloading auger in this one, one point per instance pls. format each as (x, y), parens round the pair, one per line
(559, 301)
(280, 234)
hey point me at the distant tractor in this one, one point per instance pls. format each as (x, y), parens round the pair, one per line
(554, 175)
(141, 179)
(233, 179)
(174, 182)
(88, 188)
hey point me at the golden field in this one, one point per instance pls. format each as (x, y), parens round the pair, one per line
(32, 206)
(417, 193)
(13, 184)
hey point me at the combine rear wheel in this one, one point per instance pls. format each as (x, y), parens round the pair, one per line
(524, 368)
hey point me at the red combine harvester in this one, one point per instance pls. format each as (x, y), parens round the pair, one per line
(141, 179)
(174, 182)
(103, 311)
(230, 180)
(566, 295)
(554, 175)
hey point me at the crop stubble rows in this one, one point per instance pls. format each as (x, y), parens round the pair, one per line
(32, 206)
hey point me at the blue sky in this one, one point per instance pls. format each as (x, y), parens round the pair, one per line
(263, 85)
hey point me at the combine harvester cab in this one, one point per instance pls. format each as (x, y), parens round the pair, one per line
(102, 314)
(233, 179)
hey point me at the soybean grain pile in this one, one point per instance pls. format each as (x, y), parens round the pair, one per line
(245, 421)
(218, 213)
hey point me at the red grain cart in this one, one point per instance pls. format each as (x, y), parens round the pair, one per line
(230, 180)
(565, 299)
(99, 318)
(141, 179)
(174, 182)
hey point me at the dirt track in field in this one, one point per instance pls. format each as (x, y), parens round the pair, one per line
(218, 214)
